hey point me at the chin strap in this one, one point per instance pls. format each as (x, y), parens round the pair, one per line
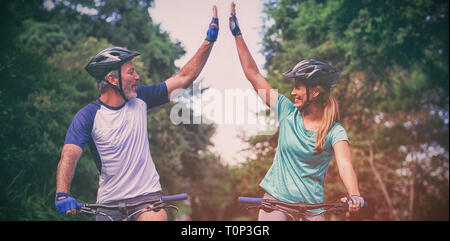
(120, 85)
(308, 101)
(118, 89)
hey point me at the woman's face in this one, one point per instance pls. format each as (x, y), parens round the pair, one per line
(300, 96)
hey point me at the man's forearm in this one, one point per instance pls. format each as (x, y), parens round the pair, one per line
(64, 175)
(194, 66)
(66, 167)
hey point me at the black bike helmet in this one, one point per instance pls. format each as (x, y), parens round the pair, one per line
(312, 72)
(108, 60)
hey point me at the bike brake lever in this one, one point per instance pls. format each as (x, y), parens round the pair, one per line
(254, 207)
(171, 206)
(86, 210)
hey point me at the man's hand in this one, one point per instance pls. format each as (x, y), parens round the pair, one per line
(190, 71)
(213, 30)
(66, 204)
(234, 25)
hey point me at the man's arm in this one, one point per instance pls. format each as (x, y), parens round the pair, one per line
(194, 66)
(191, 69)
(66, 167)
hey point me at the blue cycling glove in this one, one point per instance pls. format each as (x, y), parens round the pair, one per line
(234, 25)
(64, 202)
(213, 30)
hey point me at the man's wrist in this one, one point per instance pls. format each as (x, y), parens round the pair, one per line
(61, 195)
(208, 43)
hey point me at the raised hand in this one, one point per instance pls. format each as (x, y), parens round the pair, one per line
(234, 26)
(213, 30)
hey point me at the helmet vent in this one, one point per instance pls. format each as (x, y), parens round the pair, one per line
(100, 59)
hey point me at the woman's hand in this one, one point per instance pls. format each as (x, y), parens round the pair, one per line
(355, 202)
(234, 25)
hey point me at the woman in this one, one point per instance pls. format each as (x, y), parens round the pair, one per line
(309, 134)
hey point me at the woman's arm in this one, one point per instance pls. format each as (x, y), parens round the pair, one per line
(260, 84)
(346, 171)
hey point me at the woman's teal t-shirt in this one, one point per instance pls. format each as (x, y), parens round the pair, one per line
(298, 172)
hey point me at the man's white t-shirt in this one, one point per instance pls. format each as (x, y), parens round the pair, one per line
(118, 140)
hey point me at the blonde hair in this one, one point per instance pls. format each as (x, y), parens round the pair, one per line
(330, 116)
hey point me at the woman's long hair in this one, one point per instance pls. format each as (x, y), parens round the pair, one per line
(330, 116)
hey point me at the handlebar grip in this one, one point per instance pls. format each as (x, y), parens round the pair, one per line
(250, 199)
(80, 205)
(175, 197)
(365, 204)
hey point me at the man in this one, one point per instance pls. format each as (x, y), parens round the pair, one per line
(115, 128)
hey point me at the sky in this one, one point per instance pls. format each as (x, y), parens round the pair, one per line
(187, 22)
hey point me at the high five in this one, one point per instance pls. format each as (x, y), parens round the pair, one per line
(114, 126)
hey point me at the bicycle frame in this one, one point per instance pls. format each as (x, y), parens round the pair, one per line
(295, 209)
(153, 205)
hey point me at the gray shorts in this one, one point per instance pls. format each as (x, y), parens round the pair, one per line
(117, 215)
(280, 216)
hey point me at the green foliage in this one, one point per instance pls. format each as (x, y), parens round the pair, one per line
(393, 93)
(393, 57)
(43, 84)
(35, 104)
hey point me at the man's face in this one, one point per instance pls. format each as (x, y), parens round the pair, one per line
(130, 79)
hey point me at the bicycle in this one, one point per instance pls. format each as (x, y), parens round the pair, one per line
(296, 211)
(154, 205)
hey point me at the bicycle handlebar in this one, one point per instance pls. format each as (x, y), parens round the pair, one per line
(176, 197)
(302, 205)
(250, 199)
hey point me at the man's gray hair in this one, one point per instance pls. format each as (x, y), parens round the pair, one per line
(103, 85)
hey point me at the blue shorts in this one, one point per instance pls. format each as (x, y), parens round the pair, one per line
(118, 215)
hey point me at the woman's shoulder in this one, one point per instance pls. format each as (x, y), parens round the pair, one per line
(337, 127)
(284, 107)
(337, 133)
(282, 99)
